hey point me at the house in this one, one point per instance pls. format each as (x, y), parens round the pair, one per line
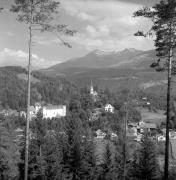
(100, 134)
(143, 126)
(147, 103)
(113, 135)
(9, 112)
(138, 138)
(54, 111)
(132, 131)
(161, 138)
(109, 108)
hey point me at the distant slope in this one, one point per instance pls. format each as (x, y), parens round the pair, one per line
(13, 88)
(101, 59)
(115, 70)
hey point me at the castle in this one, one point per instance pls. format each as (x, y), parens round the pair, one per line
(49, 111)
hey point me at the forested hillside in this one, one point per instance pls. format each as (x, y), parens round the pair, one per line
(13, 85)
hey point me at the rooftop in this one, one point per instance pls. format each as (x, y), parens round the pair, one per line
(148, 126)
(54, 107)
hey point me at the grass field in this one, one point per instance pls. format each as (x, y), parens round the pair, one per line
(173, 142)
(152, 117)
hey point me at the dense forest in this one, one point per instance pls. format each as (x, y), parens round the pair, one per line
(13, 85)
(67, 148)
(57, 90)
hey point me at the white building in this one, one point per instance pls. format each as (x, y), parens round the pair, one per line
(92, 92)
(54, 111)
(47, 111)
(113, 135)
(161, 138)
(100, 134)
(109, 108)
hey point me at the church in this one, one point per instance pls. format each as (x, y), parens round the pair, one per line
(92, 92)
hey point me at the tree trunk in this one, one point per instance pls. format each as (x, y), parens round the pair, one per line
(125, 139)
(166, 169)
(28, 100)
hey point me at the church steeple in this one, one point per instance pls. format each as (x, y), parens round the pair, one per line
(91, 88)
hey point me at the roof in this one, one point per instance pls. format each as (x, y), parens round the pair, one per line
(108, 105)
(133, 124)
(54, 107)
(148, 126)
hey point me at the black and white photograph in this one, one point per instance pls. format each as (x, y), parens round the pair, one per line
(87, 89)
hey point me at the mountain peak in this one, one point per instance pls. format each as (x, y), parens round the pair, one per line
(105, 58)
(109, 52)
(102, 52)
(131, 50)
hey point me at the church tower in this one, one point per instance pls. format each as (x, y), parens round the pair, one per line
(91, 88)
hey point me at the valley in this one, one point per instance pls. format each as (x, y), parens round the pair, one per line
(129, 68)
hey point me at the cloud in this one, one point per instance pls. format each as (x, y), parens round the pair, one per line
(9, 57)
(110, 43)
(85, 17)
(110, 24)
(8, 33)
(47, 40)
(100, 31)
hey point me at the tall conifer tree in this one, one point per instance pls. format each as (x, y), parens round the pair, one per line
(38, 15)
(163, 17)
(145, 164)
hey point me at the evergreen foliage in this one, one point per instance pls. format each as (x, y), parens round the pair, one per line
(88, 168)
(73, 161)
(144, 164)
(164, 24)
(107, 165)
(47, 89)
(9, 156)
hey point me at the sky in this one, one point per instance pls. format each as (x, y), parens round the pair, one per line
(100, 24)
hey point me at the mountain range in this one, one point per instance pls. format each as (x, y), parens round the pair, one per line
(110, 59)
(113, 69)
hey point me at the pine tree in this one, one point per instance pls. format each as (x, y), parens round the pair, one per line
(51, 157)
(88, 167)
(38, 129)
(144, 164)
(106, 173)
(9, 157)
(118, 166)
(72, 164)
(36, 147)
(163, 18)
(118, 162)
(39, 15)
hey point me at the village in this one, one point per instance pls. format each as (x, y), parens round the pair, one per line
(151, 122)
